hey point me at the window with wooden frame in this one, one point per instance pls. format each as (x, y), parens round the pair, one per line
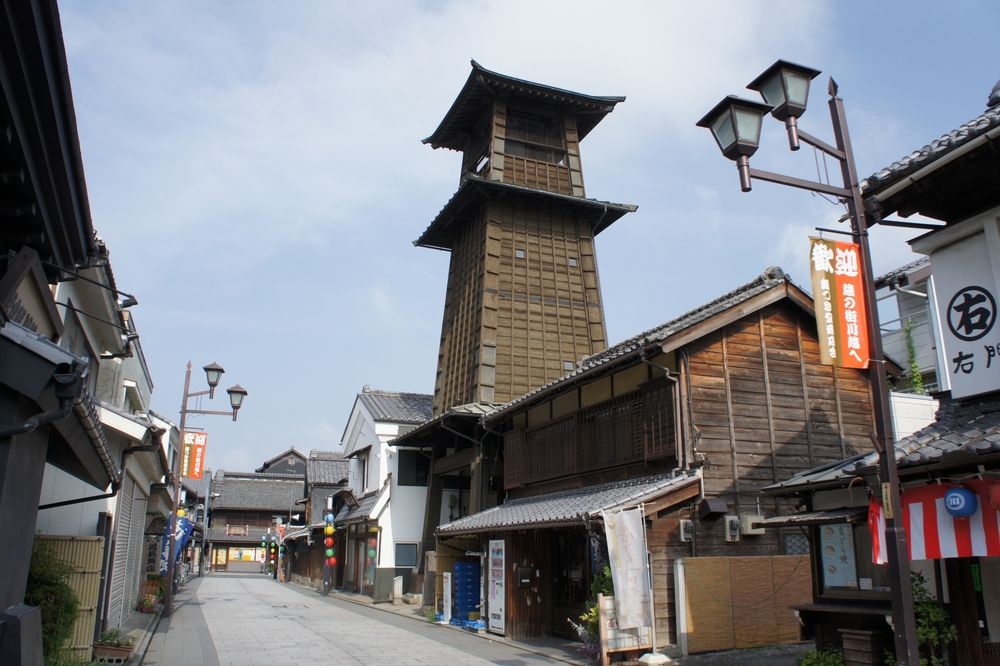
(535, 137)
(844, 563)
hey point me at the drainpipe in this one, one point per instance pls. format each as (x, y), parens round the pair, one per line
(678, 444)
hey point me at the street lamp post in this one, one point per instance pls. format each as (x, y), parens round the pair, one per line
(785, 89)
(213, 373)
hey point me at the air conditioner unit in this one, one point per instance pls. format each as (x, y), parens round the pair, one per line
(747, 525)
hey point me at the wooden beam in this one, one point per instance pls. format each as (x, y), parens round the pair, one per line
(456, 461)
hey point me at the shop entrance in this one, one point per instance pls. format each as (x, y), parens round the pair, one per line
(570, 580)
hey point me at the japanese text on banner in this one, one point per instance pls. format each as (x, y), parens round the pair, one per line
(839, 297)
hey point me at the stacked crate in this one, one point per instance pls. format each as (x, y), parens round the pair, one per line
(466, 590)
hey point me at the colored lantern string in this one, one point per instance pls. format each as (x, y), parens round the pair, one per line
(329, 552)
(329, 542)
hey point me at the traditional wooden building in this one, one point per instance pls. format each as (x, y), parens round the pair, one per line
(247, 508)
(690, 419)
(523, 303)
(327, 475)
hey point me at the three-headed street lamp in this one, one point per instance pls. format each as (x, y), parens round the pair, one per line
(735, 123)
(213, 373)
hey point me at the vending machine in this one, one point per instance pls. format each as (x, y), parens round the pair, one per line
(496, 572)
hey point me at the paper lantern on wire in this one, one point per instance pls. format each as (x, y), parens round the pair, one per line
(328, 518)
(329, 552)
(328, 530)
(371, 553)
(332, 561)
(329, 542)
(181, 513)
(961, 502)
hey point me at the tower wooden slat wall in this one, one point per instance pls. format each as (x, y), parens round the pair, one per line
(523, 302)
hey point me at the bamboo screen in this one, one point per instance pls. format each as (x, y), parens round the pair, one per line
(84, 555)
(743, 602)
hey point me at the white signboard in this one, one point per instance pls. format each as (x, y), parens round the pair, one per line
(495, 562)
(967, 298)
(627, 550)
(447, 597)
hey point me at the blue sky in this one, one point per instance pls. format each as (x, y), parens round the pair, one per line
(257, 173)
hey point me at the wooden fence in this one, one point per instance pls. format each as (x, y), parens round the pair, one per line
(84, 555)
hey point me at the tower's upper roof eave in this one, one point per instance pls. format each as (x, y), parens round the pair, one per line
(482, 85)
(474, 190)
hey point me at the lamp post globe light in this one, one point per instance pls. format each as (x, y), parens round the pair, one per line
(237, 394)
(785, 89)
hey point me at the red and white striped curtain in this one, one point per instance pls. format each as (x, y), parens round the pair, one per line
(932, 533)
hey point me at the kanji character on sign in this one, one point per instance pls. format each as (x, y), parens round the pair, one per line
(847, 262)
(963, 362)
(821, 256)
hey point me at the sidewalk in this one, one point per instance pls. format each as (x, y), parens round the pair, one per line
(182, 638)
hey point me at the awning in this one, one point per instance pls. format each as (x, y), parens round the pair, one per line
(576, 506)
(368, 507)
(850, 515)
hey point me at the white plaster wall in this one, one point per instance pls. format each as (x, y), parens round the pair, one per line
(75, 519)
(910, 413)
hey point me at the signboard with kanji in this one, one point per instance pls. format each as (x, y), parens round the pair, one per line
(965, 286)
(193, 454)
(839, 297)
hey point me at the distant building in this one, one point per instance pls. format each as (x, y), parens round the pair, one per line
(380, 524)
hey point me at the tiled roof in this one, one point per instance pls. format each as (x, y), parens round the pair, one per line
(567, 506)
(960, 434)
(274, 492)
(910, 268)
(198, 486)
(483, 86)
(769, 279)
(932, 152)
(327, 467)
(436, 235)
(397, 407)
(363, 510)
(472, 411)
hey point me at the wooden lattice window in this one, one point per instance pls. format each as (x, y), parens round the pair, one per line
(658, 420)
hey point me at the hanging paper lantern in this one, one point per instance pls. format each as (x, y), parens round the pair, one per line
(329, 542)
(328, 518)
(371, 553)
(263, 544)
(181, 513)
(282, 549)
(961, 502)
(332, 561)
(329, 552)
(328, 530)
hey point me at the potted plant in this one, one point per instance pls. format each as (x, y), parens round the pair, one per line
(113, 645)
(147, 604)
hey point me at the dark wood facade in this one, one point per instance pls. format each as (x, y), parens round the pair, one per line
(736, 391)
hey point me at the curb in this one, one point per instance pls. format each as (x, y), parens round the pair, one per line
(143, 647)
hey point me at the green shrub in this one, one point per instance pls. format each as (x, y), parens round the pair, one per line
(50, 592)
(822, 658)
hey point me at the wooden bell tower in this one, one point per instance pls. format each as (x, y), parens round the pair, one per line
(524, 301)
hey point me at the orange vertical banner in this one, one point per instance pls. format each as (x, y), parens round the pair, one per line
(193, 454)
(839, 299)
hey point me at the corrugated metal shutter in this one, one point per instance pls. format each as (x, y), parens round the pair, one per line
(126, 499)
(134, 570)
(84, 553)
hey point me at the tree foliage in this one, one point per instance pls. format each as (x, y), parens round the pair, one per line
(48, 589)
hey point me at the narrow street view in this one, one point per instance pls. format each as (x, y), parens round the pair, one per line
(306, 357)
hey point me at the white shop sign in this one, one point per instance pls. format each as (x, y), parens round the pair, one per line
(967, 298)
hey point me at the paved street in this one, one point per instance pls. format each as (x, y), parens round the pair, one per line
(225, 619)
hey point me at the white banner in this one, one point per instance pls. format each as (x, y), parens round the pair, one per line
(627, 550)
